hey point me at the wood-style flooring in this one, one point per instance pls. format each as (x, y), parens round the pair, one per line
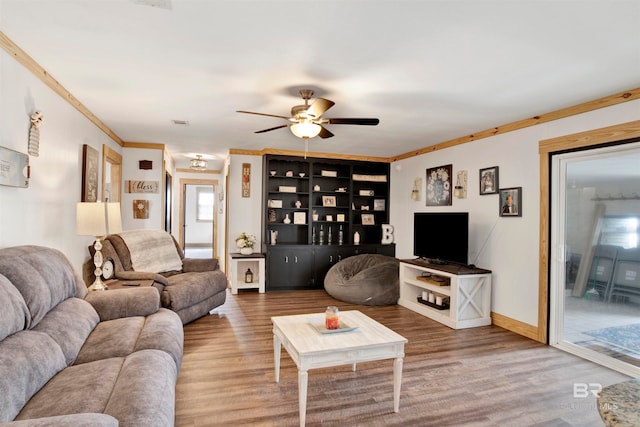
(483, 376)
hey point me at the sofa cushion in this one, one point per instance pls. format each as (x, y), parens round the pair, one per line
(122, 337)
(28, 359)
(14, 315)
(187, 289)
(113, 338)
(69, 324)
(76, 389)
(141, 397)
(43, 276)
(154, 334)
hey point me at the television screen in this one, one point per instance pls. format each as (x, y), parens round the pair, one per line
(441, 236)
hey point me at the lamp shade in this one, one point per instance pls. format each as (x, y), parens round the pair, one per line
(305, 129)
(114, 219)
(90, 219)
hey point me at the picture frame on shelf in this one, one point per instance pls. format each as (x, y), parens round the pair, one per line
(329, 201)
(340, 217)
(510, 201)
(489, 182)
(299, 217)
(379, 204)
(368, 219)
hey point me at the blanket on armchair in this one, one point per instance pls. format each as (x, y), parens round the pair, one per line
(152, 250)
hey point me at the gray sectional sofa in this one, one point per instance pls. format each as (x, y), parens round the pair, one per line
(68, 358)
(192, 287)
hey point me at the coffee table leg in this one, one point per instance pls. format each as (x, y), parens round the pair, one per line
(276, 356)
(303, 378)
(397, 381)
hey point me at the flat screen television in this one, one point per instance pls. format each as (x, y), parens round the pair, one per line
(441, 237)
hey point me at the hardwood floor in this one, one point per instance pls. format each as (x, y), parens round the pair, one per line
(484, 376)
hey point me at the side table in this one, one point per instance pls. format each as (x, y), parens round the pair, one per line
(238, 266)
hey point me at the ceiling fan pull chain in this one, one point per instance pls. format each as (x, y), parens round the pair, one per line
(306, 147)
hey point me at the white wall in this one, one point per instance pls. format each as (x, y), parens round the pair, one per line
(44, 214)
(245, 212)
(131, 172)
(508, 246)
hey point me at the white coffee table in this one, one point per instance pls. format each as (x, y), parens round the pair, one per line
(302, 337)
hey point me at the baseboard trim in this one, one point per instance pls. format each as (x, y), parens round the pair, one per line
(516, 326)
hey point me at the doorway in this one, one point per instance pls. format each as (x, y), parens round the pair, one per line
(111, 175)
(595, 272)
(198, 222)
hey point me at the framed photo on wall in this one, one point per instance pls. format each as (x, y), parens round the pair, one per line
(489, 180)
(89, 174)
(511, 201)
(439, 186)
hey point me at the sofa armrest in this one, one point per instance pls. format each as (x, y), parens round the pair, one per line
(199, 264)
(124, 302)
(141, 275)
(71, 420)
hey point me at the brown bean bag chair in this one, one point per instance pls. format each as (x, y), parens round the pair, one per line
(367, 279)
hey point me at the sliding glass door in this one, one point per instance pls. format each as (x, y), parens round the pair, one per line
(595, 255)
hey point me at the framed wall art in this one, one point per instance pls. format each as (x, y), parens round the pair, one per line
(439, 186)
(89, 174)
(141, 209)
(511, 201)
(489, 183)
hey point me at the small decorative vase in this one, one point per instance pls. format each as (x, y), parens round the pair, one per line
(246, 251)
(287, 220)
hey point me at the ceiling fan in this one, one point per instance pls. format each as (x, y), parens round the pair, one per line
(306, 120)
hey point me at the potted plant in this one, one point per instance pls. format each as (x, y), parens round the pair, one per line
(245, 243)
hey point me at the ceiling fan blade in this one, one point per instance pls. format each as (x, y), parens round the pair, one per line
(363, 121)
(319, 106)
(325, 133)
(262, 114)
(270, 129)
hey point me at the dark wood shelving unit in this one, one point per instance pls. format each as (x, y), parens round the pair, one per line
(339, 192)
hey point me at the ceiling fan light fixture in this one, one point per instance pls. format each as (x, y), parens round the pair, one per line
(305, 129)
(198, 163)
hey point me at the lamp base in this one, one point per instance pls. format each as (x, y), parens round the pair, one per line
(98, 285)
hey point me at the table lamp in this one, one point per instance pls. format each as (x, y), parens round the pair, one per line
(98, 219)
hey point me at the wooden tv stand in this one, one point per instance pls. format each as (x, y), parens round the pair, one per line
(468, 290)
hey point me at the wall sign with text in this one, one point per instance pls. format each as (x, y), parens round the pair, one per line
(246, 179)
(141, 186)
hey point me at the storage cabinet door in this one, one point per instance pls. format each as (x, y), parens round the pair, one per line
(300, 264)
(277, 269)
(290, 268)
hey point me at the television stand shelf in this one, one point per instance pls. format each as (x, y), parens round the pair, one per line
(468, 289)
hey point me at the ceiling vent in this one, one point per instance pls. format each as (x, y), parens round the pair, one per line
(181, 122)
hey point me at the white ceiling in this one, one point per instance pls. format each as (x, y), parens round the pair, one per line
(430, 70)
